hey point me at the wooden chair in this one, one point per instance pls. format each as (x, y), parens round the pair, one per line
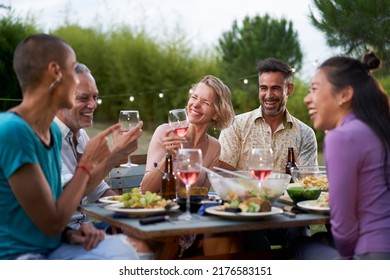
(121, 179)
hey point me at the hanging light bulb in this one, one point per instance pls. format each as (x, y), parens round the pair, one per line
(99, 101)
(131, 98)
(245, 81)
(161, 95)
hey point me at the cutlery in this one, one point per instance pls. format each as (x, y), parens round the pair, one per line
(209, 171)
(103, 205)
(154, 219)
(159, 218)
(232, 173)
(287, 211)
(169, 205)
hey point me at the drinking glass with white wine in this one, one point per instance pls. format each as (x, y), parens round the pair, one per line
(127, 120)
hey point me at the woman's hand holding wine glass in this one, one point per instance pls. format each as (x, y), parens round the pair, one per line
(188, 167)
(260, 163)
(128, 119)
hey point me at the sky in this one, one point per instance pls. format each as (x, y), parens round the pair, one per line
(203, 21)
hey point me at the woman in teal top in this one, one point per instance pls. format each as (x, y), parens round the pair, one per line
(22, 146)
(34, 211)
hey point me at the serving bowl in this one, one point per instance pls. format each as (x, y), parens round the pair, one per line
(310, 176)
(230, 187)
(299, 192)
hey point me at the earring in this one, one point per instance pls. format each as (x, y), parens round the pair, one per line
(53, 85)
(215, 130)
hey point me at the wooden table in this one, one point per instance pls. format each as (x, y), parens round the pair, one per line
(169, 232)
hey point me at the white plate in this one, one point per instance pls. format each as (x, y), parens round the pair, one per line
(311, 205)
(108, 199)
(137, 212)
(243, 216)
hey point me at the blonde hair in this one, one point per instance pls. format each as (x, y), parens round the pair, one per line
(223, 101)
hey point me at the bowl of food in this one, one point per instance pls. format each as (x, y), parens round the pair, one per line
(311, 176)
(230, 187)
(275, 186)
(298, 192)
(242, 186)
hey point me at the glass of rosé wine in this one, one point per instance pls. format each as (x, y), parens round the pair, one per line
(178, 120)
(260, 163)
(188, 167)
(127, 120)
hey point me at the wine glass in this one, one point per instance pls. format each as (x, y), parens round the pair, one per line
(178, 120)
(127, 120)
(188, 164)
(260, 163)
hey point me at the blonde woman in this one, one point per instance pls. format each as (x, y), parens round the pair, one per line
(209, 103)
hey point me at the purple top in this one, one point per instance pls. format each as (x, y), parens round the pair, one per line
(358, 195)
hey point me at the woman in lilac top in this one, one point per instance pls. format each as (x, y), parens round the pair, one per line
(347, 101)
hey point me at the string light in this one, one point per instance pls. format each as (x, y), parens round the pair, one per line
(161, 93)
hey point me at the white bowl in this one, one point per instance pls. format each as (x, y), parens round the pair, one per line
(312, 176)
(228, 186)
(273, 188)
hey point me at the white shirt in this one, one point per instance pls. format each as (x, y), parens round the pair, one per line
(69, 164)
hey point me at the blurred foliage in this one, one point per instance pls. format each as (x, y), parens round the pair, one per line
(13, 29)
(355, 26)
(250, 41)
(127, 63)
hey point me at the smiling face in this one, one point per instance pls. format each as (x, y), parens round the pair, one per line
(201, 108)
(273, 93)
(323, 103)
(81, 115)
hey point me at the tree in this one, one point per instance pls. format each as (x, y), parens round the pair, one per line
(12, 31)
(128, 63)
(355, 26)
(245, 45)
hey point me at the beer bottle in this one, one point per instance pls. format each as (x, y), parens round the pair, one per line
(168, 181)
(290, 162)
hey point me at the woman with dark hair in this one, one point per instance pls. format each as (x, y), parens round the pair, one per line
(347, 101)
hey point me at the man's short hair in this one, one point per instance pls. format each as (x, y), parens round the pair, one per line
(275, 65)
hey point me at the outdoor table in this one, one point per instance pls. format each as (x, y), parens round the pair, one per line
(169, 232)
